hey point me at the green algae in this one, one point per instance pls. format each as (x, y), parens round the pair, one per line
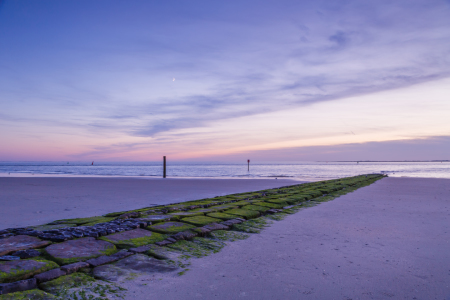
(28, 295)
(200, 220)
(78, 286)
(186, 214)
(257, 208)
(271, 205)
(229, 236)
(136, 242)
(248, 214)
(170, 227)
(198, 247)
(222, 216)
(19, 273)
(66, 282)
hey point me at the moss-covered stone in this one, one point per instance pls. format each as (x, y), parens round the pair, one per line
(28, 295)
(200, 220)
(221, 216)
(281, 201)
(66, 282)
(248, 214)
(271, 205)
(231, 236)
(204, 210)
(186, 214)
(243, 203)
(198, 247)
(11, 271)
(257, 208)
(158, 218)
(170, 227)
(133, 238)
(79, 250)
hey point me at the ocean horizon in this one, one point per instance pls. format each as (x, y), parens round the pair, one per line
(309, 171)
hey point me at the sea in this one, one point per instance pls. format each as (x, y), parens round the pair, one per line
(303, 171)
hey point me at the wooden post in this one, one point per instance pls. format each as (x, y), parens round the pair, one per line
(164, 172)
(248, 165)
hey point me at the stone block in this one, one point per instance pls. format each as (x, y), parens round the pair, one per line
(102, 260)
(72, 268)
(18, 286)
(170, 227)
(11, 271)
(200, 220)
(79, 250)
(215, 226)
(133, 238)
(50, 275)
(20, 242)
(137, 263)
(24, 254)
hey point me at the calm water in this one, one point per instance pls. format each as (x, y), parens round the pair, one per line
(301, 171)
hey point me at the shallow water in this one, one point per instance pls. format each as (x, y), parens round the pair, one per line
(299, 171)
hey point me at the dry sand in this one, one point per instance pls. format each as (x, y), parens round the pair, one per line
(27, 201)
(390, 240)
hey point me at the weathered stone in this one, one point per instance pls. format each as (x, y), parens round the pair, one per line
(30, 253)
(66, 282)
(50, 275)
(164, 253)
(141, 249)
(72, 268)
(18, 286)
(184, 235)
(171, 240)
(170, 227)
(215, 226)
(29, 295)
(186, 214)
(20, 242)
(200, 220)
(105, 259)
(79, 250)
(201, 231)
(137, 263)
(246, 213)
(230, 222)
(11, 271)
(165, 243)
(9, 257)
(133, 238)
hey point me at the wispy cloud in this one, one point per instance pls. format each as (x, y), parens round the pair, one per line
(112, 76)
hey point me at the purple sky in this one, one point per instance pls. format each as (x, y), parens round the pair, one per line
(208, 80)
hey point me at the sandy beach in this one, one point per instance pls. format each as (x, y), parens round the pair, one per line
(390, 240)
(28, 201)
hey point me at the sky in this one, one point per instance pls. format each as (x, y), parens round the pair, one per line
(224, 80)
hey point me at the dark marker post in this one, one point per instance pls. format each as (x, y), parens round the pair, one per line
(164, 172)
(248, 163)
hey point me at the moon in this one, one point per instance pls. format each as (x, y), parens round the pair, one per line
(173, 79)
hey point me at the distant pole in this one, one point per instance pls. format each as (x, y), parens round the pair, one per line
(248, 165)
(164, 172)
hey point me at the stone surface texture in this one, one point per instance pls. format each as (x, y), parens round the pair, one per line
(20, 242)
(78, 250)
(50, 275)
(18, 286)
(11, 271)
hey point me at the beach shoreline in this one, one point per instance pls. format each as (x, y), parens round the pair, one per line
(31, 201)
(389, 240)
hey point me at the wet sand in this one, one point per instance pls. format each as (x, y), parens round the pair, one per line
(28, 201)
(390, 240)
